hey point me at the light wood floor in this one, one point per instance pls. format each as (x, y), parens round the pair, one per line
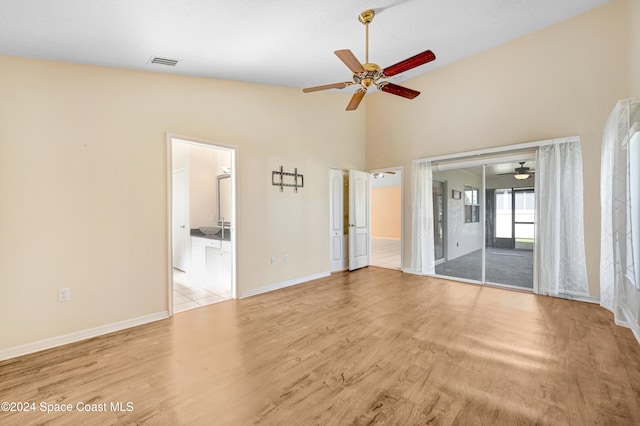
(374, 346)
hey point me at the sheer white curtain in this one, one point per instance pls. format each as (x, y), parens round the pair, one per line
(422, 250)
(560, 254)
(620, 215)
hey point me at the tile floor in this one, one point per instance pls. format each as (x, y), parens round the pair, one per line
(386, 253)
(187, 295)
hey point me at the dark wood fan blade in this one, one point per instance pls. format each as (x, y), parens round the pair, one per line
(409, 63)
(350, 60)
(356, 99)
(394, 89)
(328, 86)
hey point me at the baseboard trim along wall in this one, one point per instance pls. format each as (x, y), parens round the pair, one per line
(79, 335)
(283, 284)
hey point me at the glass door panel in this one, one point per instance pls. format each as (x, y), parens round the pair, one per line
(510, 237)
(462, 239)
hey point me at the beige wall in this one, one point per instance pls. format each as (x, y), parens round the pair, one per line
(386, 212)
(83, 166)
(634, 47)
(560, 81)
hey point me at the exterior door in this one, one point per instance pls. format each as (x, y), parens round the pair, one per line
(359, 220)
(180, 209)
(338, 234)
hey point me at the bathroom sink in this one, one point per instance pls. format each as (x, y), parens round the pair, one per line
(209, 230)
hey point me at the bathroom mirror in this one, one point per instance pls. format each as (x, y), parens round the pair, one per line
(223, 198)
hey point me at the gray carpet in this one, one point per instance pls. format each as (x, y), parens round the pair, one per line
(504, 266)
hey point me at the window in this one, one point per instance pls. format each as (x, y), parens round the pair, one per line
(503, 214)
(471, 205)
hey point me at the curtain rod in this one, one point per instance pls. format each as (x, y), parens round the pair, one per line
(497, 150)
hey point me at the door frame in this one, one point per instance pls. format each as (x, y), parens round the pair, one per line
(401, 170)
(234, 151)
(483, 162)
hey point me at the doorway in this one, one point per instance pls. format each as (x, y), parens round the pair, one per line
(202, 216)
(386, 218)
(349, 219)
(490, 222)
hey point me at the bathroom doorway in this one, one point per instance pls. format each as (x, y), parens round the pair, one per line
(386, 218)
(202, 223)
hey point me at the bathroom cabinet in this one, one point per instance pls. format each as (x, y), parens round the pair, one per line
(218, 263)
(211, 262)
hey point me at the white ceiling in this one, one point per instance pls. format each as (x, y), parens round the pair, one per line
(281, 42)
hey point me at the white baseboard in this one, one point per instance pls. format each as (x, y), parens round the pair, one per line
(284, 284)
(79, 335)
(635, 333)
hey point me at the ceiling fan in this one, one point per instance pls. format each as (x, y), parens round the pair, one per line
(370, 73)
(521, 172)
(378, 175)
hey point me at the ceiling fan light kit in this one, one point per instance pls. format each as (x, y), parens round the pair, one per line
(368, 73)
(522, 172)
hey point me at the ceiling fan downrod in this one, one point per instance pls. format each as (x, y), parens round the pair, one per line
(365, 18)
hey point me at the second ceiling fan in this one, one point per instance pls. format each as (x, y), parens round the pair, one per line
(370, 73)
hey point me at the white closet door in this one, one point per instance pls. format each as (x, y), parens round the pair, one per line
(359, 220)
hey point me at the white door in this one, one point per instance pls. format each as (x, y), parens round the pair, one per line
(359, 223)
(338, 184)
(180, 209)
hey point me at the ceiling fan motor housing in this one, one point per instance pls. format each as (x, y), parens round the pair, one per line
(372, 74)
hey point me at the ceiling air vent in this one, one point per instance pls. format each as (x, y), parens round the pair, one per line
(163, 61)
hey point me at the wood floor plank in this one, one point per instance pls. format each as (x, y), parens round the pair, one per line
(373, 346)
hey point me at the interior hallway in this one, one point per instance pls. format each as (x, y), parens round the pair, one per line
(386, 253)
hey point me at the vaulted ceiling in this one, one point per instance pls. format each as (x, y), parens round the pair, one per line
(280, 42)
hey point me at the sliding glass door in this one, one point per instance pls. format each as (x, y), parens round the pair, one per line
(489, 223)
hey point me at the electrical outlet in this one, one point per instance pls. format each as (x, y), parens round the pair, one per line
(64, 295)
(273, 260)
(286, 258)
